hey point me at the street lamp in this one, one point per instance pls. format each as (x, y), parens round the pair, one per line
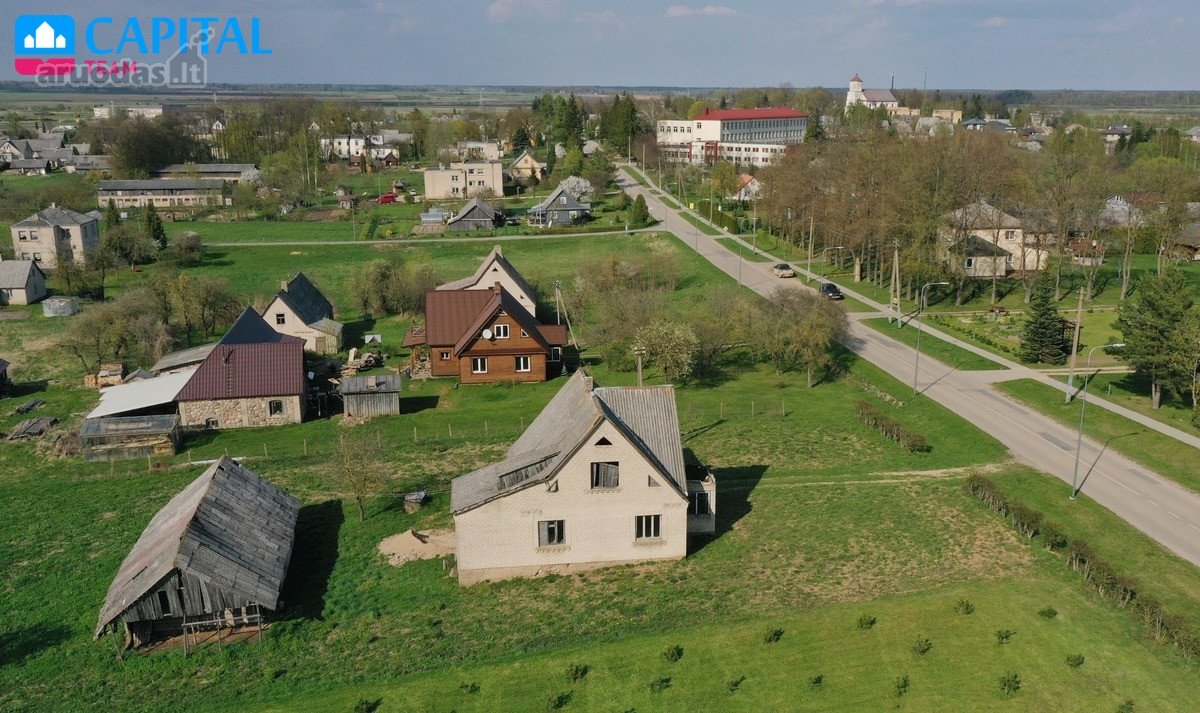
(1082, 406)
(824, 261)
(921, 308)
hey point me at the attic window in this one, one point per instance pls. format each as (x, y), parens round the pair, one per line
(280, 318)
(603, 442)
(651, 482)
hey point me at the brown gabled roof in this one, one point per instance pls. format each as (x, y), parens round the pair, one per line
(501, 300)
(252, 360)
(448, 313)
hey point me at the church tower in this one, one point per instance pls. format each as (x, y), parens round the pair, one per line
(855, 94)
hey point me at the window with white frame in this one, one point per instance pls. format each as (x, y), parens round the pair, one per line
(280, 318)
(551, 532)
(555, 353)
(647, 527)
(969, 262)
(500, 330)
(445, 356)
(698, 503)
(522, 364)
(606, 475)
(478, 365)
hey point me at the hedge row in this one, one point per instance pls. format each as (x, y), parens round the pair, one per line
(979, 335)
(891, 428)
(1125, 591)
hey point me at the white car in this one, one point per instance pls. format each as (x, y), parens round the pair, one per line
(783, 270)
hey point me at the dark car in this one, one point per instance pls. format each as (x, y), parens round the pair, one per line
(830, 290)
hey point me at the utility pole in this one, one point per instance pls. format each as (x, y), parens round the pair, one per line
(641, 353)
(810, 247)
(895, 305)
(1074, 348)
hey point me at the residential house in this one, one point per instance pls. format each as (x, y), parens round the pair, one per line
(597, 479)
(748, 188)
(30, 166)
(465, 180)
(525, 167)
(299, 309)
(870, 98)
(169, 193)
(559, 208)
(22, 282)
(86, 163)
(15, 150)
(1002, 231)
(486, 336)
(1187, 244)
(232, 172)
(214, 556)
(475, 215)
(378, 146)
(254, 376)
(56, 235)
(953, 116)
(496, 269)
(591, 147)
(371, 395)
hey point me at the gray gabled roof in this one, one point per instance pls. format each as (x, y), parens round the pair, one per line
(646, 416)
(303, 297)
(975, 246)
(184, 357)
(495, 261)
(981, 215)
(14, 274)
(475, 209)
(55, 216)
(552, 202)
(229, 527)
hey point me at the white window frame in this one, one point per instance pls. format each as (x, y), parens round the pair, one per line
(647, 527)
(555, 354)
(552, 533)
(528, 367)
(476, 362)
(500, 330)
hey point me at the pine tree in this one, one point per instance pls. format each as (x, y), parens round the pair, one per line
(1150, 326)
(814, 130)
(1043, 340)
(639, 214)
(520, 138)
(154, 226)
(112, 216)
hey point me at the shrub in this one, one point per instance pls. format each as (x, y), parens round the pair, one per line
(964, 607)
(1010, 684)
(365, 705)
(469, 688)
(1126, 707)
(900, 685)
(891, 428)
(1075, 660)
(1048, 613)
(816, 681)
(866, 621)
(659, 685)
(1053, 536)
(1003, 636)
(673, 653)
(578, 671)
(773, 636)
(922, 646)
(735, 684)
(559, 701)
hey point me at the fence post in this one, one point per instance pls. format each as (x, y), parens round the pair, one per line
(782, 409)
(751, 408)
(485, 428)
(414, 433)
(264, 450)
(450, 429)
(305, 446)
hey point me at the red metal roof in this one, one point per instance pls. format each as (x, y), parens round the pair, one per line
(239, 371)
(742, 114)
(448, 313)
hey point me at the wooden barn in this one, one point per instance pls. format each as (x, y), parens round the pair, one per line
(367, 396)
(214, 557)
(126, 437)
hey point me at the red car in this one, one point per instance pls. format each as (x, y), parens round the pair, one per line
(386, 198)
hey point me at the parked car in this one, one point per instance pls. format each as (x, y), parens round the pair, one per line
(783, 270)
(387, 198)
(831, 291)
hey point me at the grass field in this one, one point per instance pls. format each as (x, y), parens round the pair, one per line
(1133, 392)
(945, 352)
(1162, 454)
(700, 225)
(734, 246)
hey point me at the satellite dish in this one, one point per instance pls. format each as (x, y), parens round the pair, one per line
(487, 334)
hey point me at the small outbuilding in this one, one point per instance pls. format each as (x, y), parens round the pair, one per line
(22, 282)
(214, 557)
(128, 437)
(60, 306)
(367, 396)
(476, 215)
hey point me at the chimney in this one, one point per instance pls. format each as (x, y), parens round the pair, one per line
(283, 285)
(496, 287)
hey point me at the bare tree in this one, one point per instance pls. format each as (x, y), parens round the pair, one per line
(359, 474)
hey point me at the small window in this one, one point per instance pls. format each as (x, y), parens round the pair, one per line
(652, 483)
(698, 503)
(522, 364)
(969, 262)
(445, 356)
(551, 532)
(37, 257)
(478, 365)
(164, 602)
(555, 353)
(605, 475)
(603, 442)
(280, 318)
(211, 423)
(276, 407)
(500, 330)
(647, 527)
(524, 333)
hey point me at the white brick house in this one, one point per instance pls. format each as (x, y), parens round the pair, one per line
(597, 479)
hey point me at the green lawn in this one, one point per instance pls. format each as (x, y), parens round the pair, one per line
(1162, 454)
(1001, 334)
(945, 352)
(1133, 392)
(737, 248)
(700, 225)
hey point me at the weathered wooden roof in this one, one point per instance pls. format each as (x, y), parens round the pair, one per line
(645, 415)
(229, 528)
(183, 357)
(370, 384)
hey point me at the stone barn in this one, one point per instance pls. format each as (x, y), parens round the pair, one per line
(214, 557)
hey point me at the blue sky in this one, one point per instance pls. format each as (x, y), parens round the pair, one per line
(1035, 44)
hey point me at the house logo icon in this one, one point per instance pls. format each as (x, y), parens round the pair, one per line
(40, 43)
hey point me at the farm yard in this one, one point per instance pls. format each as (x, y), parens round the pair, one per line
(823, 520)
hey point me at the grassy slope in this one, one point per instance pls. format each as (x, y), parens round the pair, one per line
(1133, 392)
(943, 351)
(1157, 452)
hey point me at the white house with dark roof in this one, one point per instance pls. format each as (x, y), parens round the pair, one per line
(22, 282)
(496, 268)
(597, 479)
(300, 310)
(56, 234)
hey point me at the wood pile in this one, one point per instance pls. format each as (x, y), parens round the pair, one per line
(32, 428)
(109, 375)
(368, 360)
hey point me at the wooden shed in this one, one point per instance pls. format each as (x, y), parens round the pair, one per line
(367, 396)
(215, 556)
(123, 438)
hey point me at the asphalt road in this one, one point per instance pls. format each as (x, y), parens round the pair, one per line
(1158, 507)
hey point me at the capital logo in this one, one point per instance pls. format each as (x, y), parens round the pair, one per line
(39, 43)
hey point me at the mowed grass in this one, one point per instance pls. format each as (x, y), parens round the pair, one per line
(1162, 454)
(1133, 392)
(737, 248)
(941, 350)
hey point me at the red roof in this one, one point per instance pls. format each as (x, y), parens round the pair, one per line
(241, 371)
(856, 78)
(740, 114)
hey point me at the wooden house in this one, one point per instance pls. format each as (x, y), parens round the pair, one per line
(125, 438)
(215, 556)
(559, 208)
(367, 396)
(475, 215)
(486, 336)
